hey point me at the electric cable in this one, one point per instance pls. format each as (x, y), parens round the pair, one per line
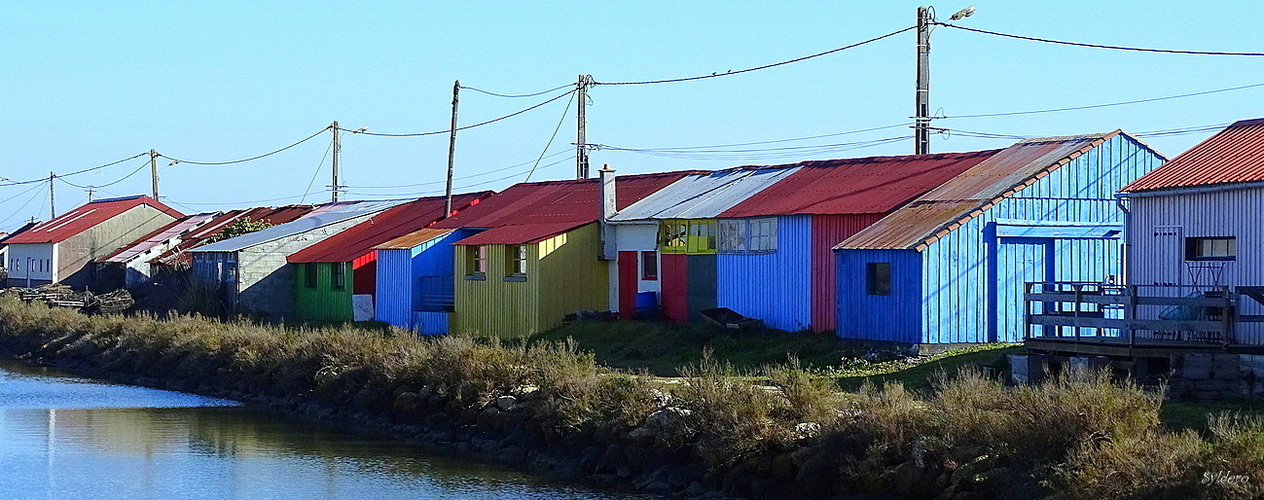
(1103, 46)
(466, 177)
(757, 68)
(76, 172)
(243, 160)
(1092, 106)
(554, 136)
(317, 172)
(39, 188)
(128, 176)
(533, 94)
(466, 127)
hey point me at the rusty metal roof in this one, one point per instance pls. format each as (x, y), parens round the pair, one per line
(358, 240)
(158, 237)
(517, 234)
(875, 184)
(1233, 155)
(965, 196)
(85, 217)
(551, 205)
(200, 236)
(413, 239)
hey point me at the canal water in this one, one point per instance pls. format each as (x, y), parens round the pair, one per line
(66, 437)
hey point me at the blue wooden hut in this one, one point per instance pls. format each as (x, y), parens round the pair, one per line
(949, 267)
(415, 280)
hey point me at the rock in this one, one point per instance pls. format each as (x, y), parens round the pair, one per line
(642, 433)
(623, 471)
(817, 475)
(902, 478)
(968, 470)
(684, 475)
(506, 403)
(667, 418)
(807, 430)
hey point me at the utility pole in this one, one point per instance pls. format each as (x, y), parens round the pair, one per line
(153, 170)
(337, 149)
(90, 191)
(581, 145)
(447, 192)
(921, 117)
(52, 201)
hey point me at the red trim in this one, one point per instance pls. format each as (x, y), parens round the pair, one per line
(627, 285)
(675, 284)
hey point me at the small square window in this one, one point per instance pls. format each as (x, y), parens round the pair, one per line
(516, 260)
(309, 275)
(477, 260)
(1211, 248)
(878, 278)
(649, 266)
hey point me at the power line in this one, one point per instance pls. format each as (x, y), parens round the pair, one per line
(757, 68)
(776, 141)
(549, 144)
(317, 172)
(1092, 106)
(533, 94)
(39, 190)
(763, 154)
(471, 176)
(243, 160)
(1101, 46)
(76, 172)
(449, 130)
(134, 172)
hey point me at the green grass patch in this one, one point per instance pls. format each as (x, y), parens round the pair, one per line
(918, 372)
(664, 349)
(1189, 414)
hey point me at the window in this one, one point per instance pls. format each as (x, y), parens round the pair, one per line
(733, 236)
(516, 260)
(1213, 248)
(763, 235)
(671, 236)
(878, 278)
(309, 274)
(701, 237)
(477, 261)
(649, 266)
(340, 275)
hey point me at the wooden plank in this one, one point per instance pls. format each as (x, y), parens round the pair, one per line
(1122, 324)
(1123, 299)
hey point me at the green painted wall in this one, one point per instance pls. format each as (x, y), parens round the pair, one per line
(563, 275)
(322, 303)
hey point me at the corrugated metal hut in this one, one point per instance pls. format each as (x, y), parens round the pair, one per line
(330, 273)
(250, 273)
(949, 267)
(1195, 221)
(539, 253)
(775, 260)
(178, 259)
(415, 280)
(59, 250)
(667, 241)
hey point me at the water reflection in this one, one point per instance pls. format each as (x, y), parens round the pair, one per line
(62, 437)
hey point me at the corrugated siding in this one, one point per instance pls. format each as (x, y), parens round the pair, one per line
(430, 323)
(827, 231)
(563, 275)
(701, 272)
(674, 298)
(322, 303)
(895, 317)
(365, 268)
(1160, 223)
(774, 287)
(956, 307)
(394, 287)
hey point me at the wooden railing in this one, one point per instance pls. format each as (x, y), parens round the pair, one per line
(1126, 314)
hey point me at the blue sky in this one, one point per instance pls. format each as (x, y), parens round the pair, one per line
(90, 82)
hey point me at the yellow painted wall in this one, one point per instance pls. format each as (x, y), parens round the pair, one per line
(563, 275)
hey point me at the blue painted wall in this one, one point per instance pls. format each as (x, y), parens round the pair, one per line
(970, 284)
(895, 317)
(417, 279)
(775, 287)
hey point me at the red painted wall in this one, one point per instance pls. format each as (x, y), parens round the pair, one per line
(364, 274)
(674, 278)
(827, 231)
(628, 276)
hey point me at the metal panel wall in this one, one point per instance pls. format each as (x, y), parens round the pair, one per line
(628, 277)
(895, 317)
(701, 272)
(322, 302)
(827, 231)
(365, 270)
(394, 287)
(774, 287)
(674, 298)
(417, 279)
(1159, 223)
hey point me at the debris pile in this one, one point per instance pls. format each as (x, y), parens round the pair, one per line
(64, 296)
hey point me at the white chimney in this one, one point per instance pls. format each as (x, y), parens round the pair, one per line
(609, 251)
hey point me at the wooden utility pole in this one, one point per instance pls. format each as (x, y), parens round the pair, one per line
(447, 191)
(921, 117)
(337, 149)
(581, 145)
(90, 191)
(153, 170)
(52, 200)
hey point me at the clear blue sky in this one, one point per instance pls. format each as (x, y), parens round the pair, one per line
(86, 83)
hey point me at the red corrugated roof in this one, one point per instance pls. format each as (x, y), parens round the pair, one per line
(397, 221)
(198, 237)
(1233, 155)
(157, 237)
(515, 234)
(876, 184)
(84, 217)
(551, 205)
